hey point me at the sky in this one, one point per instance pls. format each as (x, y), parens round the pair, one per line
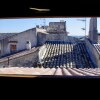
(73, 25)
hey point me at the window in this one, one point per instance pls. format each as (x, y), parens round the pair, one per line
(13, 48)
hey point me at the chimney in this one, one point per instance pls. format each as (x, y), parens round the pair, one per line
(93, 30)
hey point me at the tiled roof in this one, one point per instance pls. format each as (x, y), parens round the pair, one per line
(51, 71)
(59, 54)
(97, 47)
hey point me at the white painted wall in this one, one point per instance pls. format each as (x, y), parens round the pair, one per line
(22, 38)
(42, 52)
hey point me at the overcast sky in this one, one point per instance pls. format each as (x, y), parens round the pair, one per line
(73, 25)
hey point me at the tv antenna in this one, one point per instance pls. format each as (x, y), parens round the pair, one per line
(44, 21)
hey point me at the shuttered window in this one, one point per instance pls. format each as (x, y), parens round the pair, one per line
(13, 48)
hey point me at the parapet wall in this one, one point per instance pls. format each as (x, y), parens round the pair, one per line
(27, 58)
(93, 53)
(43, 37)
(42, 52)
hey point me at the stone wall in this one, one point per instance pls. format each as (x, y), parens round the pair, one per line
(43, 37)
(93, 30)
(99, 38)
(93, 53)
(27, 58)
(56, 37)
(57, 27)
